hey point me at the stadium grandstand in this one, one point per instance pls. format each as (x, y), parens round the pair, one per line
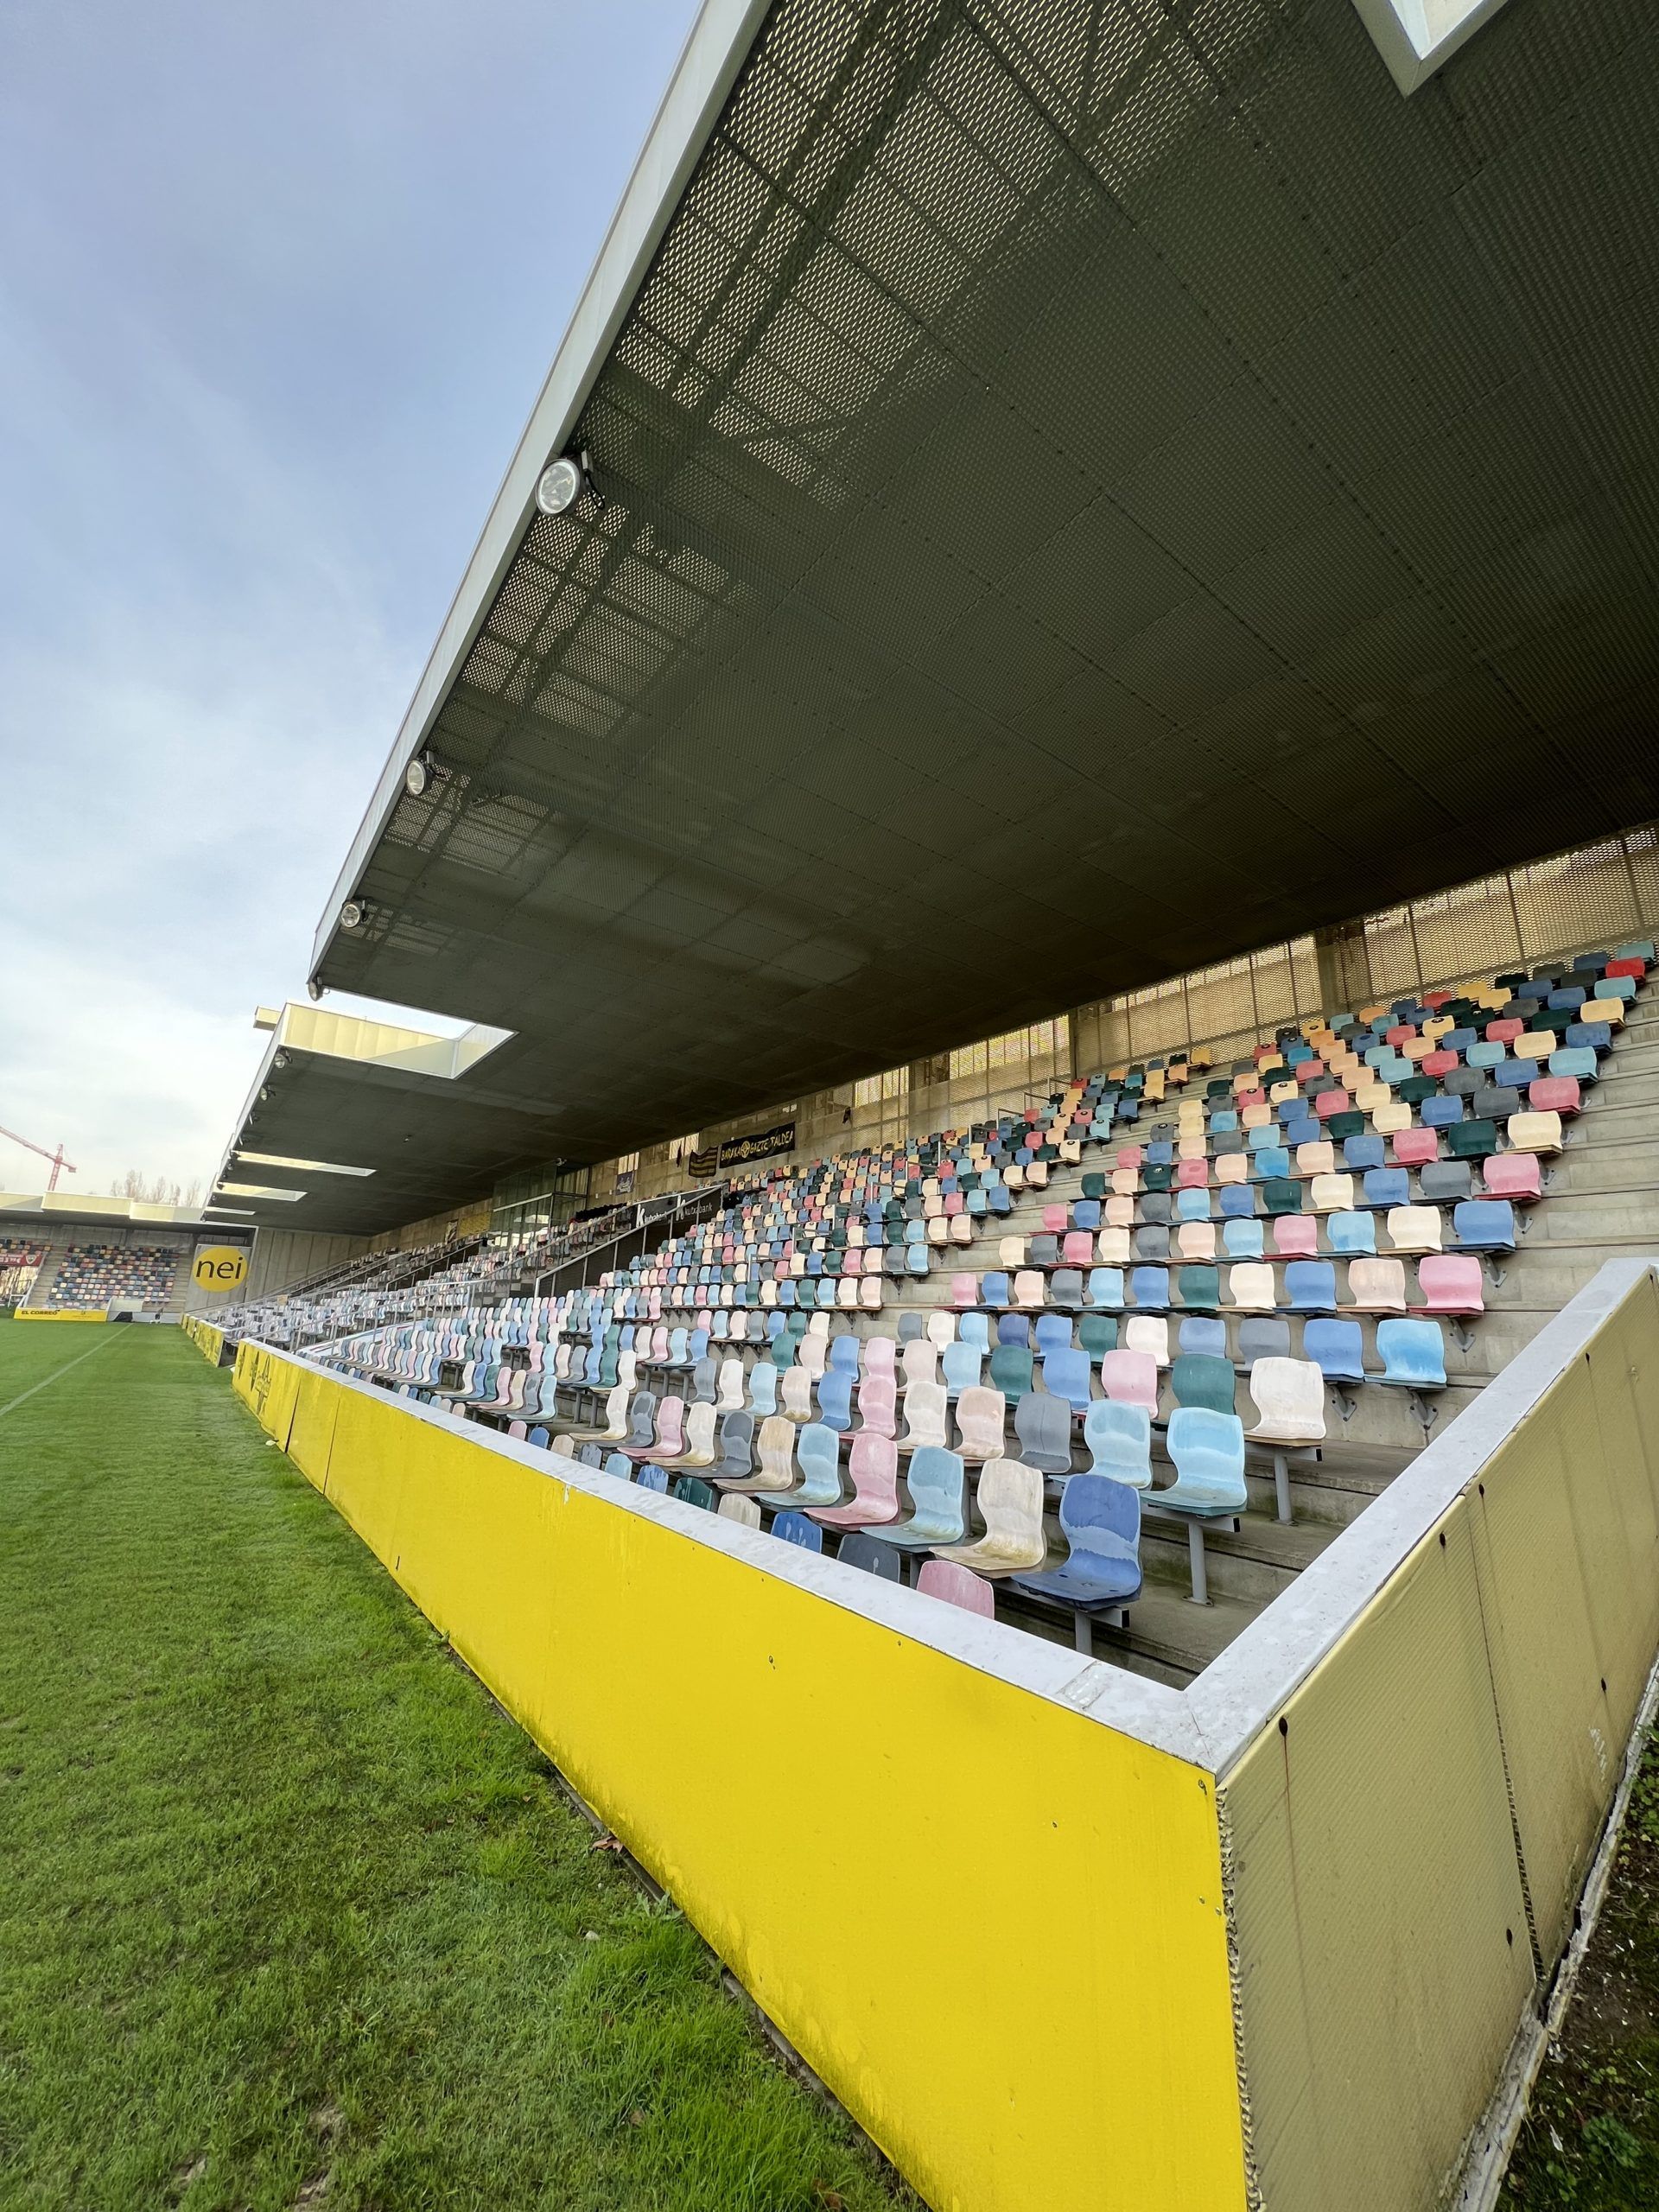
(1031, 1276)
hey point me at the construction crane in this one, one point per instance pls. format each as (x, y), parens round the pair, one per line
(59, 1163)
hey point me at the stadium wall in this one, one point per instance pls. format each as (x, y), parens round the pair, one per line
(282, 1257)
(883, 1816)
(1435, 1734)
(1276, 1937)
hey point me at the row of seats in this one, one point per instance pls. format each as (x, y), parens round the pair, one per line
(93, 1275)
(1212, 1331)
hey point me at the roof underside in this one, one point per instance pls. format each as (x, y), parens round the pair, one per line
(1089, 488)
(433, 1145)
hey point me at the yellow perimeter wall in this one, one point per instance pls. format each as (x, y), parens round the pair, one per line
(68, 1313)
(207, 1340)
(993, 1926)
(1436, 1794)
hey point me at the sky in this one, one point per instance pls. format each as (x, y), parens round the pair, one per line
(279, 285)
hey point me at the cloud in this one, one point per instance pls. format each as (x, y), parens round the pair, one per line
(278, 286)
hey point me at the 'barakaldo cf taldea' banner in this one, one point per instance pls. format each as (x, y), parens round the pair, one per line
(739, 1151)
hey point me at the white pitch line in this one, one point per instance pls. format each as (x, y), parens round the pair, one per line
(56, 1371)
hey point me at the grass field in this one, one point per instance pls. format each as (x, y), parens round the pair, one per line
(1591, 2143)
(290, 1913)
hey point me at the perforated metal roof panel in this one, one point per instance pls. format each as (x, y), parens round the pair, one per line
(1087, 488)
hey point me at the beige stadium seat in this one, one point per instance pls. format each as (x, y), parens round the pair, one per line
(1535, 1132)
(1149, 1334)
(1332, 1193)
(1251, 1288)
(981, 1416)
(1376, 1286)
(1414, 1229)
(700, 1450)
(795, 1393)
(924, 1407)
(1010, 1497)
(1289, 1396)
(919, 1362)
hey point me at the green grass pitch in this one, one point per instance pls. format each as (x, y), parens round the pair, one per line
(290, 1913)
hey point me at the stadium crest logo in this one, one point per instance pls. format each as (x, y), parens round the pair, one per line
(219, 1267)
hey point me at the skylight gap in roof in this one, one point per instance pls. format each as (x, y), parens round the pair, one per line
(1415, 37)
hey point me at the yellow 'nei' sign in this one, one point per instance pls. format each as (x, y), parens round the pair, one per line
(219, 1267)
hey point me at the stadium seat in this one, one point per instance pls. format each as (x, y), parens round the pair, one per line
(1130, 1378)
(937, 1485)
(1198, 1380)
(869, 1556)
(1009, 1498)
(1042, 1426)
(1451, 1283)
(1483, 1225)
(1413, 1354)
(957, 1585)
(1337, 1348)
(1100, 1519)
(1118, 1437)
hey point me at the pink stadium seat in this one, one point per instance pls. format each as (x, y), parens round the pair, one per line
(1130, 1378)
(1554, 1094)
(878, 1400)
(872, 1467)
(957, 1585)
(1329, 1102)
(1296, 1236)
(1451, 1283)
(1514, 1175)
(1504, 1032)
(1191, 1174)
(1415, 1147)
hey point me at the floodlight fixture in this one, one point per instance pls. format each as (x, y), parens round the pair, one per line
(564, 480)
